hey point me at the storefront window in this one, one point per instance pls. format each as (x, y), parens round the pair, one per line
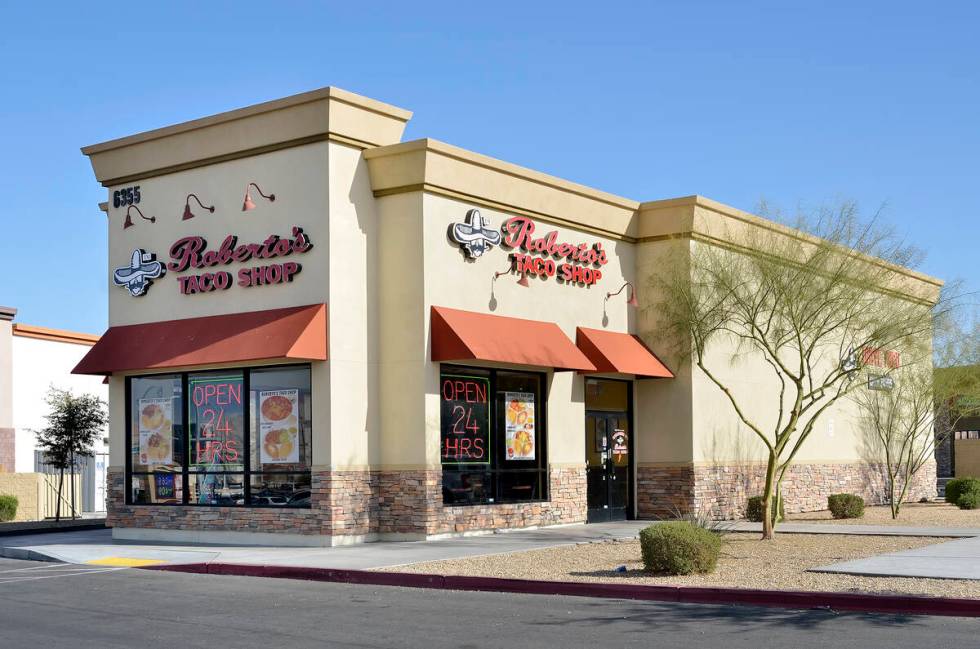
(492, 436)
(156, 439)
(281, 450)
(248, 441)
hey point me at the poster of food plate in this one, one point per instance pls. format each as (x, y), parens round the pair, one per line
(156, 431)
(519, 429)
(279, 426)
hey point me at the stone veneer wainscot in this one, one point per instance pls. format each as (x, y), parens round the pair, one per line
(406, 504)
(722, 490)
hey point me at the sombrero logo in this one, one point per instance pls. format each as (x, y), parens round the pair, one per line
(475, 236)
(137, 277)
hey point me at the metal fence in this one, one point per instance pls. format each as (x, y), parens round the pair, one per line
(92, 474)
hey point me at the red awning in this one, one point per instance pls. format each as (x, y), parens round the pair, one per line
(295, 332)
(621, 353)
(465, 335)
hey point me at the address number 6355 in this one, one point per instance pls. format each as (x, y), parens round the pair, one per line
(126, 196)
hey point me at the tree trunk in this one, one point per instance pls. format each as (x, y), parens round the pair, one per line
(893, 505)
(768, 527)
(71, 476)
(57, 500)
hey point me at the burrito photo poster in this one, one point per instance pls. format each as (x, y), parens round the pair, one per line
(156, 427)
(519, 428)
(279, 426)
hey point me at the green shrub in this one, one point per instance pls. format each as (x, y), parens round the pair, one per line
(969, 497)
(8, 508)
(969, 500)
(845, 505)
(957, 486)
(753, 508)
(679, 548)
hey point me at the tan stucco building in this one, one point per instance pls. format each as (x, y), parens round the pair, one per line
(401, 340)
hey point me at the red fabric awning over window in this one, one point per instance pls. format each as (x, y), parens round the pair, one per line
(621, 353)
(295, 332)
(465, 335)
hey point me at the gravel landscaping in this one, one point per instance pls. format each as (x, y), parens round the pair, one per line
(745, 562)
(932, 514)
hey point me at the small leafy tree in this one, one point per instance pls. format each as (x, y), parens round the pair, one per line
(904, 425)
(810, 308)
(74, 423)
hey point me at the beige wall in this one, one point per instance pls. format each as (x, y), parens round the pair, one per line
(719, 436)
(402, 330)
(664, 407)
(353, 403)
(296, 176)
(967, 454)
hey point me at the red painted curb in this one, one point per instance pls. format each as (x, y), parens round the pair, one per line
(903, 604)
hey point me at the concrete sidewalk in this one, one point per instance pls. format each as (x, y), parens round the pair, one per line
(959, 559)
(858, 530)
(98, 548)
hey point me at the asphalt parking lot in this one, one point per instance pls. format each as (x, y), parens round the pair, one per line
(60, 605)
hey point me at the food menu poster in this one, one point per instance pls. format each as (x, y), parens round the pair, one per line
(519, 427)
(465, 417)
(279, 426)
(156, 432)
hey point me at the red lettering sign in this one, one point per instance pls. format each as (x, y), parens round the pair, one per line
(465, 413)
(581, 260)
(192, 252)
(216, 421)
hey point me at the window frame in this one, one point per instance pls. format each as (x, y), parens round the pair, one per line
(246, 473)
(497, 437)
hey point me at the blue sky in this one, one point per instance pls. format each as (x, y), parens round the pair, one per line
(794, 103)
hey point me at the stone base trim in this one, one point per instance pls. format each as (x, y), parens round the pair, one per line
(359, 505)
(224, 537)
(411, 504)
(722, 491)
(343, 503)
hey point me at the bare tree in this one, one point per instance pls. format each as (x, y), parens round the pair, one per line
(74, 423)
(815, 308)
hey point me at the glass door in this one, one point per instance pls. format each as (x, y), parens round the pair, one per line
(607, 466)
(608, 440)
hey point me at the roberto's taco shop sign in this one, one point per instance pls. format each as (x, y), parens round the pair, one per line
(546, 256)
(189, 254)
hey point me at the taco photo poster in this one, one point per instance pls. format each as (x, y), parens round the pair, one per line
(279, 426)
(156, 432)
(519, 425)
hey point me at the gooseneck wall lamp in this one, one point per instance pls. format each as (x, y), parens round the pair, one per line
(632, 301)
(129, 219)
(521, 282)
(248, 204)
(187, 206)
(493, 282)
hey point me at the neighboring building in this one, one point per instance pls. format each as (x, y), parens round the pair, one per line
(317, 336)
(33, 359)
(958, 454)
